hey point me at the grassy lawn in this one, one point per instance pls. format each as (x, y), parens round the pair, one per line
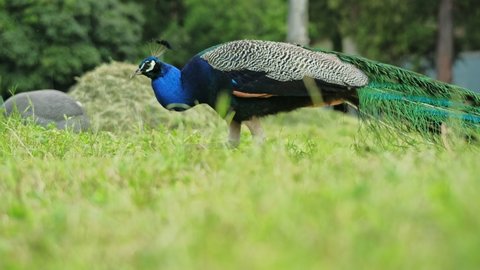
(308, 198)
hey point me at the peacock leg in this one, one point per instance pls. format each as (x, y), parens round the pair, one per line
(234, 134)
(256, 129)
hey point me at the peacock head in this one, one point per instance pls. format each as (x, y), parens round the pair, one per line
(166, 81)
(150, 67)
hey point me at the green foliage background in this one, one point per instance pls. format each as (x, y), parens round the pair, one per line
(393, 31)
(47, 43)
(193, 25)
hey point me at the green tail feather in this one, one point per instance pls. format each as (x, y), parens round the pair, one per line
(404, 104)
(404, 110)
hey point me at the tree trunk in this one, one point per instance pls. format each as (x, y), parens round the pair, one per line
(298, 22)
(445, 41)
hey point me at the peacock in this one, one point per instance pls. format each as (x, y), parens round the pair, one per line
(258, 78)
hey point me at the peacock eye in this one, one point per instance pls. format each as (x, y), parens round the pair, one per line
(150, 65)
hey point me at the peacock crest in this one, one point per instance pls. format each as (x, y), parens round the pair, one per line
(158, 47)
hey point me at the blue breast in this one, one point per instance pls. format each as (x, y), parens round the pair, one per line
(198, 82)
(168, 88)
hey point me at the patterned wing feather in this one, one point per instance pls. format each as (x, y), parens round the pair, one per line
(279, 68)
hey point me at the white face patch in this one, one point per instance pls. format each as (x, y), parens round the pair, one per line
(151, 65)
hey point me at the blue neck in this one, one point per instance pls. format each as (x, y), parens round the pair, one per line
(168, 89)
(198, 82)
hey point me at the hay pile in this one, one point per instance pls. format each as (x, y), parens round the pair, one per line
(115, 102)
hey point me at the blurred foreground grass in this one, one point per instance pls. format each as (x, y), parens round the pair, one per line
(178, 199)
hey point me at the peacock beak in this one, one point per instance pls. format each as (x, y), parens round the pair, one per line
(137, 72)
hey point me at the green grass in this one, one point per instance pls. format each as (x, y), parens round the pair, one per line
(310, 197)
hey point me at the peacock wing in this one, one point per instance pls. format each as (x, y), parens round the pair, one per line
(281, 69)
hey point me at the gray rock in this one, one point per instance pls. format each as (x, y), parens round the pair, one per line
(47, 107)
